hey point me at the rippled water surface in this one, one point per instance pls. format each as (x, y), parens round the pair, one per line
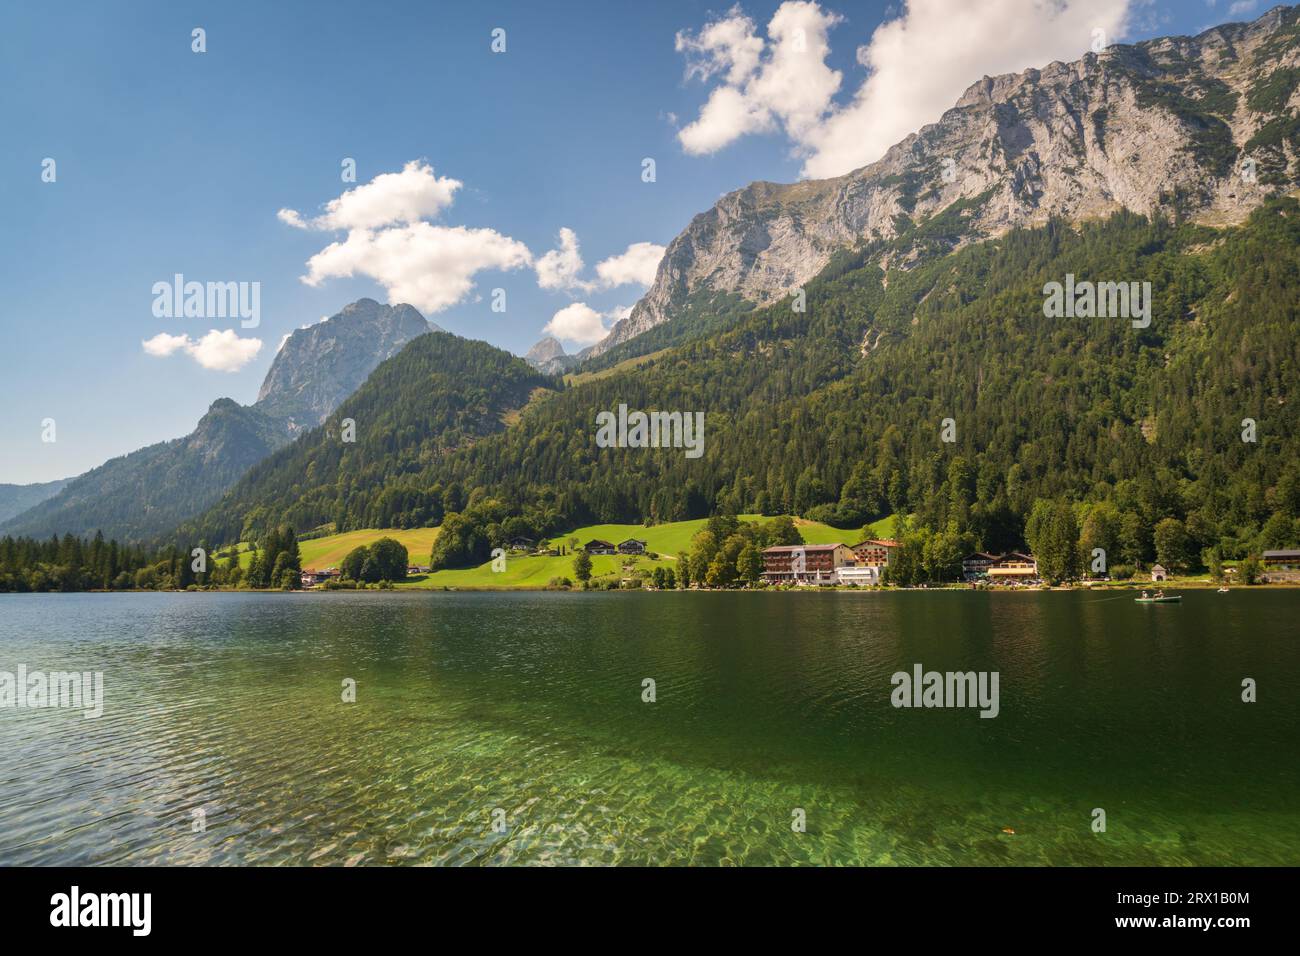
(766, 704)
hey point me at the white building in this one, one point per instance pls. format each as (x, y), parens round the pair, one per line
(859, 576)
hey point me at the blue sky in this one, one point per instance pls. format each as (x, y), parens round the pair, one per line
(170, 161)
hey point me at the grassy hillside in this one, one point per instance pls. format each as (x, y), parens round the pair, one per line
(320, 553)
(815, 532)
(327, 552)
(666, 540)
(529, 572)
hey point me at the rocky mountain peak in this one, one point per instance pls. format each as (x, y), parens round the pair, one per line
(545, 350)
(320, 365)
(1165, 127)
(548, 356)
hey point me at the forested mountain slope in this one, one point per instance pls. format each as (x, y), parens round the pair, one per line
(837, 412)
(15, 499)
(144, 495)
(438, 396)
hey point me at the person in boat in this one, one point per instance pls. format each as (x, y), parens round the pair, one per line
(1144, 595)
(1160, 593)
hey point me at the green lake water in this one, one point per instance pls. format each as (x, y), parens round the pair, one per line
(766, 704)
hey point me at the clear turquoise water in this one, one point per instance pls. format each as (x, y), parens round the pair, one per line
(532, 703)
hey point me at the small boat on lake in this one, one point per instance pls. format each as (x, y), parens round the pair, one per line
(1158, 599)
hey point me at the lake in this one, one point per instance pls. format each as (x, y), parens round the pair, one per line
(496, 728)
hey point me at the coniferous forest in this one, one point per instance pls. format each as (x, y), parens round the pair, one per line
(940, 392)
(838, 413)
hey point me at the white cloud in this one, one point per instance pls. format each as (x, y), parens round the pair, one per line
(729, 45)
(221, 351)
(432, 267)
(292, 218)
(560, 268)
(413, 194)
(919, 65)
(162, 344)
(581, 324)
(727, 115)
(1242, 6)
(782, 80)
(635, 266)
(224, 351)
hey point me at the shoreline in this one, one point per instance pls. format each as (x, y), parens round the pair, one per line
(807, 589)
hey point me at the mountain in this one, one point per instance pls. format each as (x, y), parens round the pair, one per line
(15, 499)
(927, 326)
(140, 495)
(1156, 126)
(438, 396)
(548, 357)
(838, 413)
(145, 494)
(321, 365)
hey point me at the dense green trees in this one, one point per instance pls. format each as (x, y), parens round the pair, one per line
(275, 562)
(352, 563)
(925, 556)
(467, 538)
(440, 394)
(73, 564)
(727, 551)
(384, 560)
(664, 578)
(749, 563)
(837, 412)
(1173, 545)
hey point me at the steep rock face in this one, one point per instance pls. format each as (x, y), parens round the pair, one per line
(1161, 126)
(323, 364)
(548, 356)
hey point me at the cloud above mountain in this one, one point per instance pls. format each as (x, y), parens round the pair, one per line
(580, 324)
(917, 65)
(413, 194)
(220, 351)
(634, 266)
(432, 267)
(562, 267)
(389, 239)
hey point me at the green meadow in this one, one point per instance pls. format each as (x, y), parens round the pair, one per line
(320, 553)
(528, 571)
